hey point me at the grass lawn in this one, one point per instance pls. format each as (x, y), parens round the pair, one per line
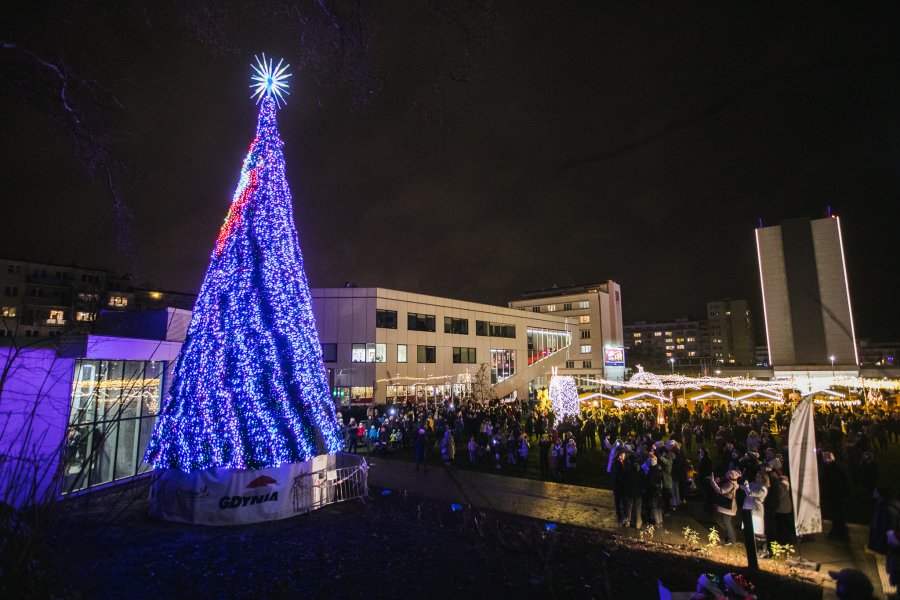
(591, 472)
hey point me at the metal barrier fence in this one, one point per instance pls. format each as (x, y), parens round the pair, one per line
(346, 477)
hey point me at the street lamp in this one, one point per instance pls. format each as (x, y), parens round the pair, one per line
(672, 364)
(831, 358)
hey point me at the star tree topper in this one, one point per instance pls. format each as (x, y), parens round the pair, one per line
(269, 80)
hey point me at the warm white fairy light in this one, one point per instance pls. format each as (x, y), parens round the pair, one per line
(564, 396)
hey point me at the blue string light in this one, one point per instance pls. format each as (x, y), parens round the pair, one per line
(249, 387)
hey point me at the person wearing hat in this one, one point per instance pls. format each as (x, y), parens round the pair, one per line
(726, 507)
(852, 584)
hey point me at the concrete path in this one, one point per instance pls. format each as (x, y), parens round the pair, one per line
(593, 508)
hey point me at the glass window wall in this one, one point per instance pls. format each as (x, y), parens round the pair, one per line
(114, 408)
(503, 364)
(544, 342)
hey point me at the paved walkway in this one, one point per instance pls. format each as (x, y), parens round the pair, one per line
(593, 508)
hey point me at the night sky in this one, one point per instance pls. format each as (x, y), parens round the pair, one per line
(581, 142)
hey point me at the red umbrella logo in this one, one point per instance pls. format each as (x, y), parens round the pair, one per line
(261, 481)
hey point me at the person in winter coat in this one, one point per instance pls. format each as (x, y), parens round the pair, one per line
(544, 447)
(557, 456)
(523, 451)
(867, 472)
(619, 486)
(885, 517)
(634, 486)
(421, 447)
(726, 506)
(472, 447)
(571, 456)
(835, 487)
(653, 490)
(664, 461)
(704, 472)
(754, 498)
(679, 475)
(448, 448)
(613, 448)
(784, 513)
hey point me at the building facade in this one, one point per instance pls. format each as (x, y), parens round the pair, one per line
(44, 300)
(681, 345)
(731, 340)
(387, 346)
(806, 298)
(599, 349)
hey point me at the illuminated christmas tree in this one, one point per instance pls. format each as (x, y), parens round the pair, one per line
(249, 387)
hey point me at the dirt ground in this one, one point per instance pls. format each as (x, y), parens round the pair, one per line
(393, 545)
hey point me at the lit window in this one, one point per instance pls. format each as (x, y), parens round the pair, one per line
(583, 304)
(680, 347)
(637, 335)
(668, 354)
(637, 342)
(401, 353)
(670, 347)
(9, 311)
(668, 333)
(586, 349)
(551, 308)
(692, 339)
(85, 316)
(583, 319)
(57, 317)
(692, 353)
(368, 353)
(657, 334)
(120, 301)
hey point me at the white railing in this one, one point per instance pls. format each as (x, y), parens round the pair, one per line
(346, 479)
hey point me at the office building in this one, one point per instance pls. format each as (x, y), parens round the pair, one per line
(382, 345)
(806, 298)
(44, 299)
(681, 345)
(599, 350)
(731, 340)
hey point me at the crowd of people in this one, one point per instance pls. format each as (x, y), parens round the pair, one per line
(732, 460)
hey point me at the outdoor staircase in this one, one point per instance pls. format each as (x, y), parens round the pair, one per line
(533, 371)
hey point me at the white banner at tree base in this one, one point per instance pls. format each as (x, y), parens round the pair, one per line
(221, 496)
